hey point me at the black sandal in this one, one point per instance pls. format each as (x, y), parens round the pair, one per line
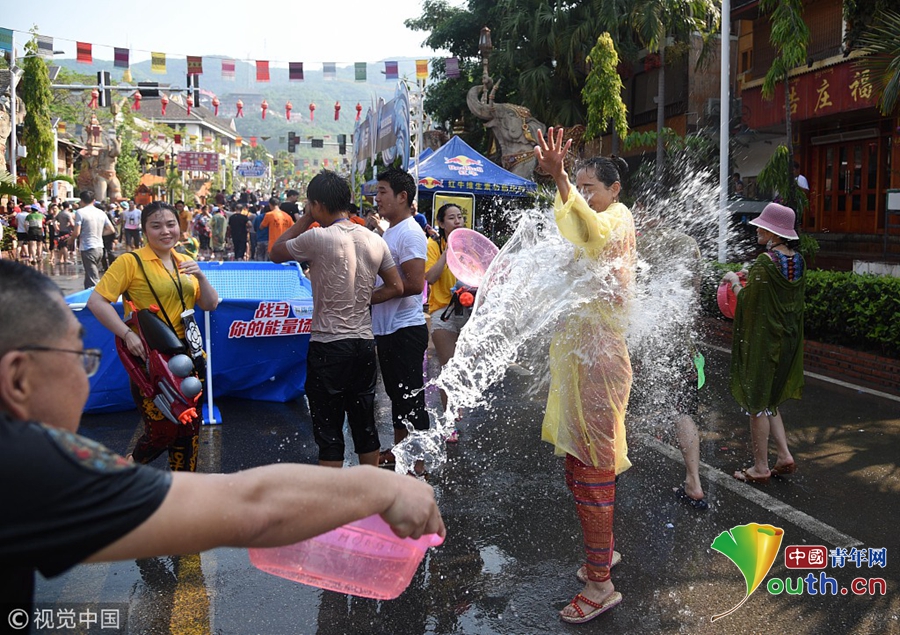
(696, 503)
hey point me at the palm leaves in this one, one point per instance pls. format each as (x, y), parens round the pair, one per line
(882, 43)
(29, 192)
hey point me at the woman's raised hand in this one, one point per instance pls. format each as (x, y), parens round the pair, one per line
(551, 152)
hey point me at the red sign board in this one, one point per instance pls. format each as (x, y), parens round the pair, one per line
(198, 161)
(828, 91)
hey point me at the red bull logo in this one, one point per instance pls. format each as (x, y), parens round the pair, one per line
(462, 160)
(430, 182)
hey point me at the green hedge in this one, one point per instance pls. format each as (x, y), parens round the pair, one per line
(861, 311)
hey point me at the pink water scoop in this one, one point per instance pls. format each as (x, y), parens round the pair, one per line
(363, 558)
(469, 254)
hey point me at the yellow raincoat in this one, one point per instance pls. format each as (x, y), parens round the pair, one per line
(590, 371)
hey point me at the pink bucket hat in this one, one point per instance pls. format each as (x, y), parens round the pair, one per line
(778, 219)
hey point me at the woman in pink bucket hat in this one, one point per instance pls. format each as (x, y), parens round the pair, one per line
(767, 345)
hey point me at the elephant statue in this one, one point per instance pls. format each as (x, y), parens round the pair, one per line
(513, 127)
(101, 156)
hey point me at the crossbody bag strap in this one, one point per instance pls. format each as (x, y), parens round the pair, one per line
(152, 290)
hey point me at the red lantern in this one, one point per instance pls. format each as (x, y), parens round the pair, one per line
(95, 96)
(190, 102)
(265, 107)
(215, 103)
(337, 110)
(358, 111)
(137, 101)
(312, 109)
(163, 102)
(240, 108)
(288, 107)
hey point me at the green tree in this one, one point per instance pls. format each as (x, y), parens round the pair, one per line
(174, 187)
(128, 167)
(790, 37)
(37, 135)
(602, 92)
(881, 42)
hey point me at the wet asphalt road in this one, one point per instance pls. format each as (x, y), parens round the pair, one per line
(513, 542)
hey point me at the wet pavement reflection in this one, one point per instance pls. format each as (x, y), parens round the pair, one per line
(513, 542)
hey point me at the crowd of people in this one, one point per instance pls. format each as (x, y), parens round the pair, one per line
(368, 272)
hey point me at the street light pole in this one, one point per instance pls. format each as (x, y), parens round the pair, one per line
(13, 138)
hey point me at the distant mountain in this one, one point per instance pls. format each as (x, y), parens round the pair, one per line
(313, 89)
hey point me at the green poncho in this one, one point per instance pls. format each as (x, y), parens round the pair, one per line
(767, 349)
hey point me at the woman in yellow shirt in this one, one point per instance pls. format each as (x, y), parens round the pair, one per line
(180, 285)
(590, 371)
(441, 281)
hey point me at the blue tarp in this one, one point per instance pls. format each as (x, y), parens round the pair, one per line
(456, 167)
(259, 336)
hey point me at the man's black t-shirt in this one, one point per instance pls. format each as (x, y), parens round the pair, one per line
(63, 498)
(237, 222)
(291, 208)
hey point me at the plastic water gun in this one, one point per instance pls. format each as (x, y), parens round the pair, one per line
(461, 297)
(166, 377)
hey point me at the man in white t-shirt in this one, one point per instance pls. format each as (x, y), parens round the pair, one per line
(132, 225)
(89, 225)
(802, 183)
(399, 325)
(345, 260)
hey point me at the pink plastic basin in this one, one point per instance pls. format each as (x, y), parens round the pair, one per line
(469, 254)
(363, 558)
(726, 298)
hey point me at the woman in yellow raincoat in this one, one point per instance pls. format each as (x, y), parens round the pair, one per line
(589, 365)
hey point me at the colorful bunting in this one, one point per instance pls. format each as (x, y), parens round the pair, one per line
(360, 71)
(163, 102)
(358, 110)
(145, 135)
(227, 69)
(252, 142)
(137, 101)
(262, 70)
(120, 58)
(190, 102)
(158, 63)
(337, 110)
(329, 70)
(238, 141)
(83, 53)
(421, 69)
(45, 45)
(288, 107)
(194, 65)
(295, 71)
(6, 40)
(95, 99)
(215, 103)
(390, 70)
(312, 110)
(265, 107)
(240, 108)
(451, 68)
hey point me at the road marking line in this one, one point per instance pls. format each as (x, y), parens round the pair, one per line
(830, 380)
(781, 509)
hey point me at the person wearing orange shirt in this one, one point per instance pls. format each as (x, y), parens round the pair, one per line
(277, 221)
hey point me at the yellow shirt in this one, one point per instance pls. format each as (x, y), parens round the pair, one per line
(439, 292)
(125, 275)
(590, 371)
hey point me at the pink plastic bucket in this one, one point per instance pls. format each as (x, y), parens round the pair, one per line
(726, 298)
(363, 558)
(469, 254)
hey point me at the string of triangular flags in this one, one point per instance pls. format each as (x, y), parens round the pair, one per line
(121, 56)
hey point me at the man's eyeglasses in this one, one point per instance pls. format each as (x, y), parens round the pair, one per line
(90, 357)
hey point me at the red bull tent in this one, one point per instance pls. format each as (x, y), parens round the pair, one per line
(456, 168)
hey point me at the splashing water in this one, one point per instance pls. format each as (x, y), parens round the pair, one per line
(536, 279)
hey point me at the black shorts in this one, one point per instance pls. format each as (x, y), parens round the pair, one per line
(340, 379)
(35, 235)
(22, 237)
(204, 242)
(401, 355)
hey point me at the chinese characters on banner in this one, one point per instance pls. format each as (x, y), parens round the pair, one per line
(198, 161)
(829, 91)
(269, 320)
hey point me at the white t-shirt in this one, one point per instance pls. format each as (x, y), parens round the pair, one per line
(406, 241)
(92, 221)
(133, 219)
(21, 225)
(344, 261)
